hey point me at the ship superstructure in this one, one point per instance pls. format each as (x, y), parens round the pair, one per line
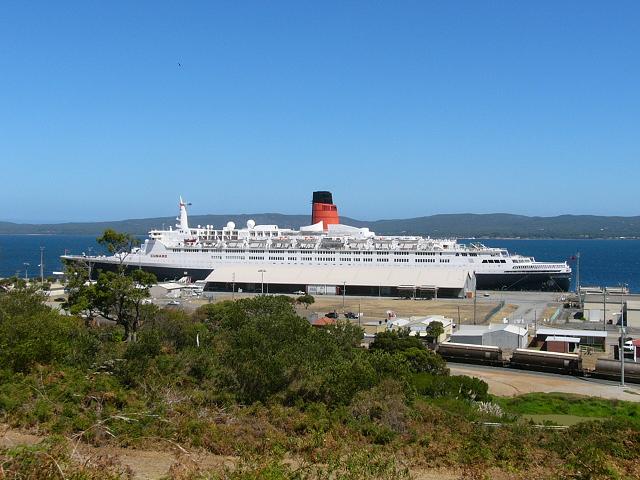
(197, 251)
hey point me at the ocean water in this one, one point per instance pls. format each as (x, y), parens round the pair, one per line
(602, 262)
(16, 250)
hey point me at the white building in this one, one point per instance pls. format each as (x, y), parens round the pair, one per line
(498, 335)
(419, 325)
(355, 280)
(166, 290)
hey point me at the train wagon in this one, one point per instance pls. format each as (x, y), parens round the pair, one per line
(553, 362)
(469, 353)
(610, 370)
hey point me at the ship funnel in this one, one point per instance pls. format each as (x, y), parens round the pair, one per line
(323, 210)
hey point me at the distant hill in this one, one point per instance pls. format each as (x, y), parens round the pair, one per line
(465, 225)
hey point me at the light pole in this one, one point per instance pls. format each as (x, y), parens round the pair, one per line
(26, 268)
(233, 286)
(623, 342)
(344, 288)
(42, 265)
(262, 270)
(578, 275)
(604, 309)
(475, 296)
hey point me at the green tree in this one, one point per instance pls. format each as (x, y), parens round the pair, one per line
(118, 243)
(306, 300)
(424, 360)
(120, 298)
(434, 330)
(81, 291)
(396, 341)
(32, 333)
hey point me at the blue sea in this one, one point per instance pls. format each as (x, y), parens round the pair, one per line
(602, 262)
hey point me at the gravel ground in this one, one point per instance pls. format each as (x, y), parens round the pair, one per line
(508, 383)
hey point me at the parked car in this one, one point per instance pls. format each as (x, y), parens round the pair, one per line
(299, 292)
(174, 302)
(351, 315)
(332, 315)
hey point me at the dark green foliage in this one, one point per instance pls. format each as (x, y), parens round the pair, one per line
(32, 333)
(412, 350)
(456, 386)
(306, 300)
(434, 330)
(263, 382)
(396, 341)
(268, 350)
(117, 242)
(423, 360)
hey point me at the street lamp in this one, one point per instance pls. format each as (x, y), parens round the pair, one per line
(262, 270)
(344, 288)
(41, 265)
(623, 333)
(26, 268)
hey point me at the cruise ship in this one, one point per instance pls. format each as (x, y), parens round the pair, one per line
(196, 252)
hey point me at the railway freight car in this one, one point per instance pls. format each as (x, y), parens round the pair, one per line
(610, 370)
(468, 353)
(553, 362)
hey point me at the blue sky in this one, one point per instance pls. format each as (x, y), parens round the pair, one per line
(401, 109)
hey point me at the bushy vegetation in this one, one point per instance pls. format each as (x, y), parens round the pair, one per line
(252, 379)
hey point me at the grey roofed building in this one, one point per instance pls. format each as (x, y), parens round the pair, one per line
(586, 337)
(357, 280)
(500, 335)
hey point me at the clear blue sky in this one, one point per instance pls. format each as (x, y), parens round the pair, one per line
(400, 108)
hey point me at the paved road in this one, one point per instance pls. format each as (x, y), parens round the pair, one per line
(509, 382)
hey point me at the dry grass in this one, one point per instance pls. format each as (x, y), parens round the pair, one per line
(376, 308)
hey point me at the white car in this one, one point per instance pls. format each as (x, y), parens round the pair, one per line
(174, 302)
(299, 292)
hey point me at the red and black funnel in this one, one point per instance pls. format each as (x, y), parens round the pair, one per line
(323, 210)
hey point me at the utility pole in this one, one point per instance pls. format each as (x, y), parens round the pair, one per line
(262, 270)
(623, 330)
(26, 270)
(233, 286)
(578, 274)
(475, 298)
(459, 322)
(622, 342)
(604, 310)
(41, 265)
(344, 289)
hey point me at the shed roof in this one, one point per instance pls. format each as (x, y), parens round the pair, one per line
(479, 330)
(374, 275)
(571, 332)
(171, 285)
(554, 338)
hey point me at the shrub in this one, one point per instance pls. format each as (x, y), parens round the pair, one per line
(457, 386)
(31, 333)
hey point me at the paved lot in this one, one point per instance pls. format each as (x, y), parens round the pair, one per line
(509, 382)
